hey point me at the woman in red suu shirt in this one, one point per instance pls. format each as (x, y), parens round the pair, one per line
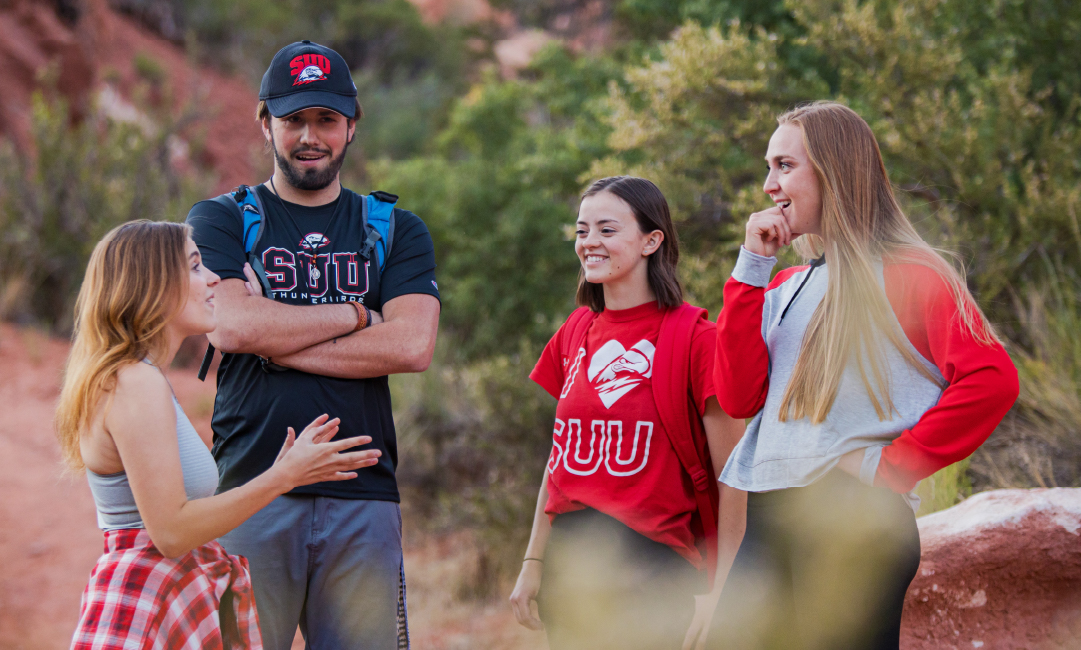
(624, 536)
(864, 371)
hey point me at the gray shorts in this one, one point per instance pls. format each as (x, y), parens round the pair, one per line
(333, 566)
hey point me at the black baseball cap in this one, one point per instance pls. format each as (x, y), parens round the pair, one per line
(308, 75)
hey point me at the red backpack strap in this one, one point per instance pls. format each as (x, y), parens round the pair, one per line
(577, 325)
(574, 340)
(682, 423)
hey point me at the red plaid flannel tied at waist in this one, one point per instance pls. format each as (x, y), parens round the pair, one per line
(138, 598)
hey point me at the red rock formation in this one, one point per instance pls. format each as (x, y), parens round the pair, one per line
(34, 37)
(458, 12)
(1000, 570)
(92, 42)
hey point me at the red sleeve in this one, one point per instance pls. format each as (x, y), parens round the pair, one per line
(741, 369)
(982, 380)
(548, 372)
(703, 348)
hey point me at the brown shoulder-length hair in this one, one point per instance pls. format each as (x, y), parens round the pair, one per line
(135, 283)
(651, 212)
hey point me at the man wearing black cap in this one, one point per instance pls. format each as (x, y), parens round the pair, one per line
(330, 328)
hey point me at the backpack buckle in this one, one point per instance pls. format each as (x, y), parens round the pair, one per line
(700, 479)
(369, 243)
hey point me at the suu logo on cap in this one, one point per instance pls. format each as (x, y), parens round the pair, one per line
(289, 84)
(306, 68)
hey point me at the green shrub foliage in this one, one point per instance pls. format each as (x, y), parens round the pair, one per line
(58, 199)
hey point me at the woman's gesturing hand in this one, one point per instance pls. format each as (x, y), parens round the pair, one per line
(523, 600)
(767, 231)
(704, 607)
(312, 458)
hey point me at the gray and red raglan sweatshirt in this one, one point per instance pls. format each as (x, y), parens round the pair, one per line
(759, 335)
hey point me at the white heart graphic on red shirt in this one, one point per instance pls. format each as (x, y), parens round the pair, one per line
(615, 370)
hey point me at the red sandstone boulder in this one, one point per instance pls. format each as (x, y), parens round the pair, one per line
(1000, 570)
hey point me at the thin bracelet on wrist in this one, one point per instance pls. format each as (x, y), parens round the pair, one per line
(533, 559)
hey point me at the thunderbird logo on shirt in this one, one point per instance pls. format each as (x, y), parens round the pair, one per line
(615, 370)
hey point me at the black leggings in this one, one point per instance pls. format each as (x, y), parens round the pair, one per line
(821, 567)
(607, 586)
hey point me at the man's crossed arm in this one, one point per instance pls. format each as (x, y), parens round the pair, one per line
(320, 340)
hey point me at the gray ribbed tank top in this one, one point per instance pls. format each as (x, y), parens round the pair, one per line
(112, 493)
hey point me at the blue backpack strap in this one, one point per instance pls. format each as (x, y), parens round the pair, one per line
(378, 212)
(251, 212)
(245, 202)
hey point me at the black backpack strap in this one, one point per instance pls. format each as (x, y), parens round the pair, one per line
(208, 358)
(389, 241)
(230, 204)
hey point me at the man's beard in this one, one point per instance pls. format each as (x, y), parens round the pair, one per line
(309, 179)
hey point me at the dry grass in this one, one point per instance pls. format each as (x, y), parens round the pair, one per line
(1038, 444)
(437, 568)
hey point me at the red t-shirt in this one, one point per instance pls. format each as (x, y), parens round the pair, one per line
(610, 451)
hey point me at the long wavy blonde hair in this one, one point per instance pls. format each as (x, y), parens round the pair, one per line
(135, 283)
(861, 222)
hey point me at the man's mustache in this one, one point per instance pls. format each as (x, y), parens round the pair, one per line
(297, 152)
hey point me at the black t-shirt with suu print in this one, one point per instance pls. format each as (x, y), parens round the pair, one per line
(312, 257)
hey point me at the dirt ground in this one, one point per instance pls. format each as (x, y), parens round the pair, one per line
(49, 539)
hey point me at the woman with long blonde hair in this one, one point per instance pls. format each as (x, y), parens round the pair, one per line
(163, 581)
(864, 371)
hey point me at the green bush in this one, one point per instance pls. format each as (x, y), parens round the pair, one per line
(78, 182)
(498, 195)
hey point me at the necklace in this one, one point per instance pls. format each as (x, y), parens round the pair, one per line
(314, 274)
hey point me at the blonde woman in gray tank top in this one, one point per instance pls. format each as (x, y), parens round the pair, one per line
(163, 580)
